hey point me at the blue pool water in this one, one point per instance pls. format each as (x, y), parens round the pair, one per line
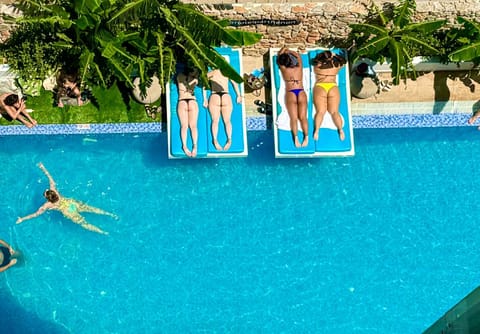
(384, 242)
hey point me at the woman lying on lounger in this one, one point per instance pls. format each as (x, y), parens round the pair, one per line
(220, 104)
(187, 109)
(290, 64)
(70, 207)
(326, 95)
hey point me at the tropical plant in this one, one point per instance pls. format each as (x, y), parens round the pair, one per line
(29, 50)
(463, 43)
(391, 34)
(117, 40)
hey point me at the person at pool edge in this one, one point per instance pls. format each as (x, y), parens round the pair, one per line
(69, 207)
(12, 107)
(8, 257)
(220, 104)
(291, 67)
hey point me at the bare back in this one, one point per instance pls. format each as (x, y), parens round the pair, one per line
(186, 85)
(218, 81)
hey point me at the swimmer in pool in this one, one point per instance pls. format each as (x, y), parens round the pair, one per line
(8, 257)
(69, 207)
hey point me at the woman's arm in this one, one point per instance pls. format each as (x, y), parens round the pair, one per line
(6, 245)
(237, 91)
(40, 210)
(11, 263)
(53, 186)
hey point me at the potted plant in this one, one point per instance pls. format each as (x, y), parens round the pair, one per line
(391, 35)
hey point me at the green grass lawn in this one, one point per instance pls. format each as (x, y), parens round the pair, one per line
(106, 106)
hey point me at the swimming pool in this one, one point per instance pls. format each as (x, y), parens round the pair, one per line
(383, 242)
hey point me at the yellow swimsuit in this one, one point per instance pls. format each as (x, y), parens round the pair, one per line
(326, 85)
(70, 206)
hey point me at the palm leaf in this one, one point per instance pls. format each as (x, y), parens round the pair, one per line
(403, 13)
(381, 15)
(373, 46)
(469, 24)
(425, 27)
(398, 61)
(369, 29)
(418, 41)
(467, 53)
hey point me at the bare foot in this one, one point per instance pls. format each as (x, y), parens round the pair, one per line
(472, 119)
(297, 142)
(227, 144)
(217, 145)
(315, 135)
(187, 151)
(305, 141)
(194, 151)
(341, 134)
(28, 125)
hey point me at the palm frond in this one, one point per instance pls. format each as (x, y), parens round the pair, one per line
(403, 13)
(369, 29)
(467, 53)
(425, 27)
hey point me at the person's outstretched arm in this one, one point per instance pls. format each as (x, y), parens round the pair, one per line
(11, 263)
(7, 246)
(53, 186)
(40, 210)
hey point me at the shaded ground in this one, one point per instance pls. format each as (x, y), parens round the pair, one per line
(432, 86)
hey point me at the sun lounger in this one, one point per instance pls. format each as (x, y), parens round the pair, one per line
(206, 148)
(329, 143)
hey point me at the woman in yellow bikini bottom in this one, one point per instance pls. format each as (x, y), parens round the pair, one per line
(326, 85)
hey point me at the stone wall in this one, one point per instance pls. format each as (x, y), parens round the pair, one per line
(320, 22)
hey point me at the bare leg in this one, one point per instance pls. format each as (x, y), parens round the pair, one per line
(292, 108)
(182, 112)
(78, 219)
(226, 110)
(333, 103)
(214, 105)
(302, 116)
(192, 124)
(82, 207)
(30, 119)
(320, 102)
(24, 121)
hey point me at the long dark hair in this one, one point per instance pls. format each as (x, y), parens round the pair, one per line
(328, 57)
(51, 196)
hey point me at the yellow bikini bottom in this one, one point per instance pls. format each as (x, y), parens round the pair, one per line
(326, 85)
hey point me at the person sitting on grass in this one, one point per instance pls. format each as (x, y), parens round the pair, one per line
(8, 257)
(69, 207)
(13, 108)
(69, 92)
